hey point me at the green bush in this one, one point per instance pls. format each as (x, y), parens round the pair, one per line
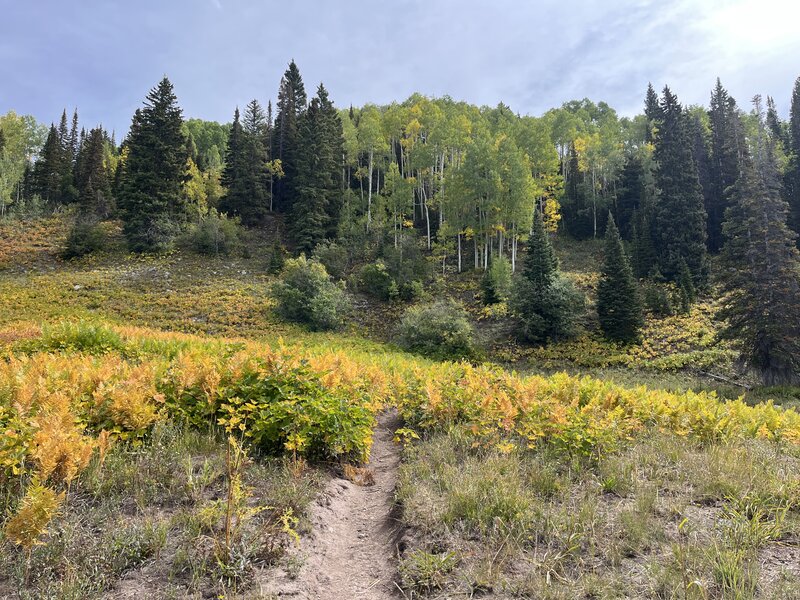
(548, 313)
(440, 330)
(413, 290)
(496, 282)
(335, 258)
(306, 294)
(277, 258)
(86, 236)
(406, 262)
(216, 234)
(374, 279)
(656, 299)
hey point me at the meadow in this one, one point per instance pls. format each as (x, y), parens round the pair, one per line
(162, 425)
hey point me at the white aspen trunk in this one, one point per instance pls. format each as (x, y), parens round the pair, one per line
(369, 193)
(459, 251)
(594, 203)
(514, 254)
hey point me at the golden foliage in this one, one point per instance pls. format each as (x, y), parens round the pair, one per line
(37, 509)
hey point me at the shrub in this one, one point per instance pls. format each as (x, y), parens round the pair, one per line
(86, 236)
(216, 234)
(413, 290)
(549, 313)
(407, 262)
(277, 258)
(496, 282)
(335, 258)
(439, 330)
(656, 300)
(306, 294)
(374, 279)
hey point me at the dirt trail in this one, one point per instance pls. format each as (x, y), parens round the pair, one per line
(351, 552)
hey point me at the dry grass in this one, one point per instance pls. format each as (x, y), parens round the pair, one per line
(662, 518)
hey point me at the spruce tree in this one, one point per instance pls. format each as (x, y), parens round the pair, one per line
(652, 110)
(292, 101)
(726, 144)
(629, 195)
(546, 304)
(155, 168)
(93, 181)
(618, 306)
(309, 223)
(48, 169)
(246, 177)
(761, 275)
(234, 175)
(333, 139)
(680, 215)
(775, 126)
(643, 257)
(792, 179)
(688, 294)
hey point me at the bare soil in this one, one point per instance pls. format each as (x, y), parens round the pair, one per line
(352, 550)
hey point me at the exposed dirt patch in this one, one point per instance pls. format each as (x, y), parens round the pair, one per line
(351, 552)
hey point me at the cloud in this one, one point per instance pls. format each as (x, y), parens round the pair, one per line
(104, 56)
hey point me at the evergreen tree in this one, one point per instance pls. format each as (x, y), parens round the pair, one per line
(546, 304)
(761, 279)
(630, 193)
(775, 126)
(292, 101)
(246, 177)
(577, 207)
(652, 110)
(316, 179)
(618, 306)
(688, 294)
(234, 174)
(644, 256)
(73, 138)
(792, 180)
(333, 139)
(93, 182)
(680, 215)
(726, 144)
(155, 168)
(48, 170)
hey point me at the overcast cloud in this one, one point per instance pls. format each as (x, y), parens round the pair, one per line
(104, 55)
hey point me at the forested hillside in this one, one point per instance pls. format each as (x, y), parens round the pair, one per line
(576, 334)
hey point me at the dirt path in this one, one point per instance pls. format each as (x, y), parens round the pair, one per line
(351, 551)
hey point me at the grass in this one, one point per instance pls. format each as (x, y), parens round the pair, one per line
(658, 515)
(662, 519)
(146, 509)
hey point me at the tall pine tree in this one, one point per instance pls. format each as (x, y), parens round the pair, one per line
(292, 102)
(761, 274)
(316, 208)
(545, 303)
(155, 169)
(680, 215)
(792, 179)
(727, 142)
(652, 110)
(618, 306)
(93, 179)
(246, 177)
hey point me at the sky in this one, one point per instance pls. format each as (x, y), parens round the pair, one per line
(102, 56)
